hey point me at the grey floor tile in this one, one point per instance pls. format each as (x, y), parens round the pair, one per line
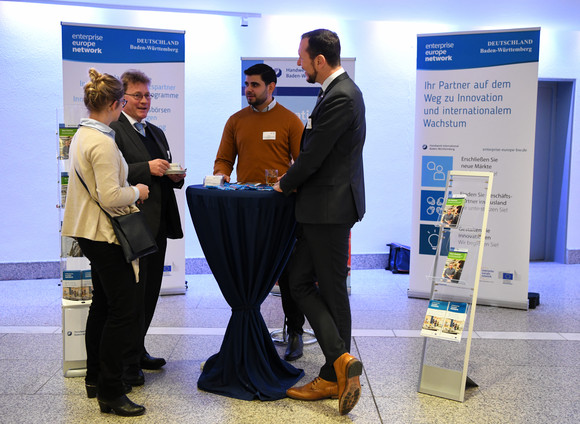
(26, 376)
(25, 314)
(520, 381)
(161, 345)
(31, 346)
(206, 317)
(196, 347)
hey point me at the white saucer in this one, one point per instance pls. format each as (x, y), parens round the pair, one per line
(175, 171)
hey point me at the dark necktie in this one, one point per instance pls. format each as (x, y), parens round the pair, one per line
(320, 96)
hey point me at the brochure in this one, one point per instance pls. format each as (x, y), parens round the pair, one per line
(445, 320)
(86, 285)
(454, 321)
(452, 211)
(63, 188)
(71, 285)
(243, 186)
(433, 323)
(454, 266)
(65, 135)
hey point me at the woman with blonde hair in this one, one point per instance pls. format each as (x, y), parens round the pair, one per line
(98, 176)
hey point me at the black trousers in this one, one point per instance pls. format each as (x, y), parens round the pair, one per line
(112, 324)
(321, 254)
(294, 316)
(151, 275)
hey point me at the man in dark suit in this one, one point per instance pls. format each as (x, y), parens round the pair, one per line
(147, 153)
(328, 179)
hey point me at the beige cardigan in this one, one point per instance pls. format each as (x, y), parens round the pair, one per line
(101, 165)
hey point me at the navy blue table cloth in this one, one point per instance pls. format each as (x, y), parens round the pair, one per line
(247, 237)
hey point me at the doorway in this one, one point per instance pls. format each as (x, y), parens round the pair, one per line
(551, 170)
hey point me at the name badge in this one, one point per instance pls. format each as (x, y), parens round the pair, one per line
(309, 124)
(269, 135)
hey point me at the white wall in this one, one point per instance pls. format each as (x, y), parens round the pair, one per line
(31, 78)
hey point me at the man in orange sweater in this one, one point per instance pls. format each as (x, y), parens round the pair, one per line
(264, 135)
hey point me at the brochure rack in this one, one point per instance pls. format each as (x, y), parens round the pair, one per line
(74, 272)
(444, 363)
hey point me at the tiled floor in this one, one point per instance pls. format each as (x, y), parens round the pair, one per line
(527, 363)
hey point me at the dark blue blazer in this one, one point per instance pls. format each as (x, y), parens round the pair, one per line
(328, 173)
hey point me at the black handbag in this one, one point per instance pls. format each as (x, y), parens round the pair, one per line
(132, 232)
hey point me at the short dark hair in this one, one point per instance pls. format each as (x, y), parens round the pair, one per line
(324, 42)
(134, 76)
(266, 72)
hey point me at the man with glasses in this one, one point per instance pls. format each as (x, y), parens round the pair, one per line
(147, 153)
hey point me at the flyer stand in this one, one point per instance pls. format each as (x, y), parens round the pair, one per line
(75, 274)
(444, 363)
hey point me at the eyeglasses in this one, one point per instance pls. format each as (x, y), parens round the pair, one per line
(139, 96)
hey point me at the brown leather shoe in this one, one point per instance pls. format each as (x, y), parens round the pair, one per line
(315, 390)
(348, 369)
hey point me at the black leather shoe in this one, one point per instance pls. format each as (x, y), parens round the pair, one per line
(149, 362)
(92, 389)
(134, 376)
(294, 348)
(122, 406)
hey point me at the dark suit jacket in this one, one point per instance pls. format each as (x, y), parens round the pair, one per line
(138, 157)
(328, 173)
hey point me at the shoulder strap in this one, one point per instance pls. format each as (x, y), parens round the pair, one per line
(91, 196)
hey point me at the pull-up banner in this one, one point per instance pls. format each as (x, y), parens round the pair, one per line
(160, 54)
(476, 111)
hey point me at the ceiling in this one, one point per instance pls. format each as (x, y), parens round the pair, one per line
(555, 14)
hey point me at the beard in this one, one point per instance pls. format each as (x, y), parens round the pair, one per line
(257, 101)
(311, 78)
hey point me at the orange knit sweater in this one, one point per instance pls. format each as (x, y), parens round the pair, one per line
(260, 141)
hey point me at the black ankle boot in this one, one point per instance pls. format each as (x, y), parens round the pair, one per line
(294, 349)
(92, 389)
(122, 406)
